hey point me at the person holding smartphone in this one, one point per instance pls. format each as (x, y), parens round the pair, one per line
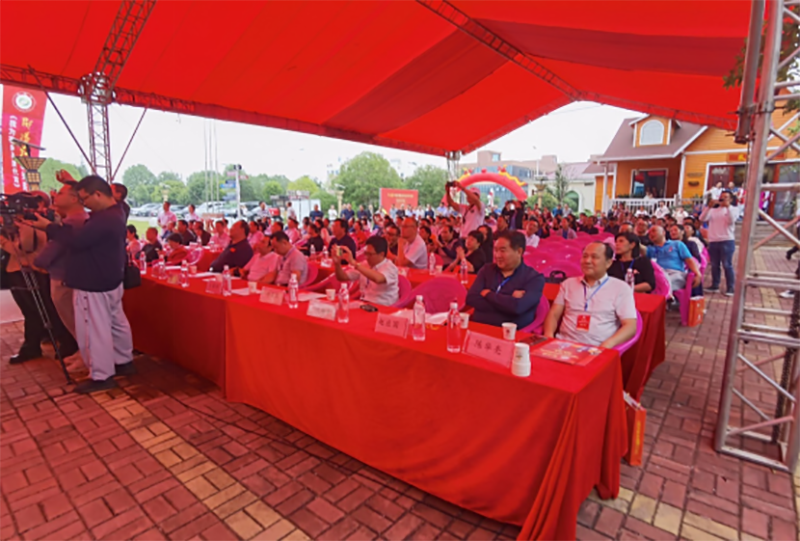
(378, 279)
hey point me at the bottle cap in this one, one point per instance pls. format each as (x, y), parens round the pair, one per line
(453, 306)
(419, 298)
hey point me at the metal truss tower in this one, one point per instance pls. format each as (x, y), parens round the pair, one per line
(746, 427)
(97, 88)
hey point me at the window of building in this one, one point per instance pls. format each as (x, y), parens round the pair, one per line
(651, 133)
(495, 156)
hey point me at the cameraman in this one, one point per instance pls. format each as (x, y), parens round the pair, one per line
(23, 245)
(95, 271)
(473, 213)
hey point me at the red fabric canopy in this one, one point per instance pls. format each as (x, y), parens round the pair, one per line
(430, 76)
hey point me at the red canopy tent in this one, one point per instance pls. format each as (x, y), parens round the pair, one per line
(429, 76)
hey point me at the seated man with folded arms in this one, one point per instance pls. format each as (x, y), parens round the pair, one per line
(264, 261)
(595, 309)
(291, 261)
(506, 291)
(238, 253)
(378, 279)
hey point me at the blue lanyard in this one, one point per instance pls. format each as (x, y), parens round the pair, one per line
(587, 299)
(504, 282)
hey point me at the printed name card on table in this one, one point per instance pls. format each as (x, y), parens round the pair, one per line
(496, 350)
(322, 310)
(270, 295)
(393, 325)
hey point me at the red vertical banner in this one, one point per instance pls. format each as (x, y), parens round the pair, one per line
(23, 119)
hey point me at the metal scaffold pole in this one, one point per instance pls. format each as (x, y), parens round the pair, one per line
(745, 429)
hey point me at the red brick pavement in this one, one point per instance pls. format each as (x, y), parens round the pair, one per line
(165, 457)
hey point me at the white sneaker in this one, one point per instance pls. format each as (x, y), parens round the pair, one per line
(786, 294)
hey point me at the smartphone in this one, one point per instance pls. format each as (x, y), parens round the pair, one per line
(368, 308)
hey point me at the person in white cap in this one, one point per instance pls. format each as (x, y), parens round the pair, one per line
(473, 213)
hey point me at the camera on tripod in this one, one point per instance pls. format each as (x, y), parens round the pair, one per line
(22, 205)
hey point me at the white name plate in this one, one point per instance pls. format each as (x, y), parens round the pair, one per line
(492, 349)
(271, 295)
(322, 310)
(393, 325)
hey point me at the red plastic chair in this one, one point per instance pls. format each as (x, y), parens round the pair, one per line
(438, 293)
(570, 268)
(684, 296)
(537, 325)
(194, 256)
(663, 286)
(625, 346)
(404, 294)
(331, 282)
(311, 276)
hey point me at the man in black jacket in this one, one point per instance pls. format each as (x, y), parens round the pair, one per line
(95, 270)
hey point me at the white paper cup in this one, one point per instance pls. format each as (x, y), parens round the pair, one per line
(521, 365)
(331, 294)
(510, 331)
(464, 320)
(253, 287)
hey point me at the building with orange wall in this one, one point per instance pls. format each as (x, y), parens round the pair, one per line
(659, 158)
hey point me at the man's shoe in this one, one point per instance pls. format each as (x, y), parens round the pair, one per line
(93, 386)
(21, 357)
(788, 256)
(729, 293)
(126, 369)
(788, 294)
(712, 290)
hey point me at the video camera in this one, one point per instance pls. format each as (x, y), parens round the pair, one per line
(22, 205)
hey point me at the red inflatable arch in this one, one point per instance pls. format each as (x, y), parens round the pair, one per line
(503, 179)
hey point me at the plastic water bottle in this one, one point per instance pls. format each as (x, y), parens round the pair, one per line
(454, 329)
(312, 252)
(432, 264)
(343, 310)
(629, 279)
(226, 281)
(418, 323)
(142, 263)
(326, 258)
(463, 270)
(184, 273)
(292, 292)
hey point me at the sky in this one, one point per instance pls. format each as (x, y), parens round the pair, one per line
(173, 142)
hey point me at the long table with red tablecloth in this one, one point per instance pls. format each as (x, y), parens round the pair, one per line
(521, 450)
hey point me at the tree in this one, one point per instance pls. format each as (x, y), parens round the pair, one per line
(304, 183)
(168, 175)
(326, 200)
(560, 185)
(140, 195)
(48, 174)
(363, 176)
(247, 192)
(137, 175)
(429, 182)
(178, 193)
(271, 187)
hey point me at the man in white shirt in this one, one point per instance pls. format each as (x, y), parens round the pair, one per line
(191, 215)
(473, 213)
(679, 213)
(594, 309)
(290, 213)
(662, 210)
(166, 216)
(721, 219)
(715, 192)
(332, 214)
(264, 261)
(531, 236)
(220, 237)
(291, 261)
(411, 249)
(293, 232)
(378, 279)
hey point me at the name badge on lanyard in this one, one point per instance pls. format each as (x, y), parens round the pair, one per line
(585, 320)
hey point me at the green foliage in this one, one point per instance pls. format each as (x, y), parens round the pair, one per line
(326, 200)
(560, 186)
(271, 187)
(168, 175)
(364, 175)
(571, 199)
(304, 183)
(429, 181)
(48, 174)
(139, 175)
(178, 193)
(140, 195)
(247, 191)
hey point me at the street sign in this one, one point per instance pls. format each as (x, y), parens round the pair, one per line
(229, 197)
(227, 185)
(231, 174)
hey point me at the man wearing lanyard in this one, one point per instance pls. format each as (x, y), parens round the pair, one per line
(596, 309)
(506, 291)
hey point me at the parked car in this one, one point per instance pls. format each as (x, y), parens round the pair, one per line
(146, 210)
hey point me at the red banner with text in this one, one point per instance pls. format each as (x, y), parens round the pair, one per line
(398, 198)
(23, 119)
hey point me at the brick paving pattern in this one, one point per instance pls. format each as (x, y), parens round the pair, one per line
(165, 457)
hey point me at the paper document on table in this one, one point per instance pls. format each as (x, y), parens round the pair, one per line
(309, 296)
(243, 291)
(567, 352)
(406, 313)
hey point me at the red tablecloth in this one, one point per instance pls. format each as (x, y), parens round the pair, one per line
(526, 451)
(649, 351)
(186, 327)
